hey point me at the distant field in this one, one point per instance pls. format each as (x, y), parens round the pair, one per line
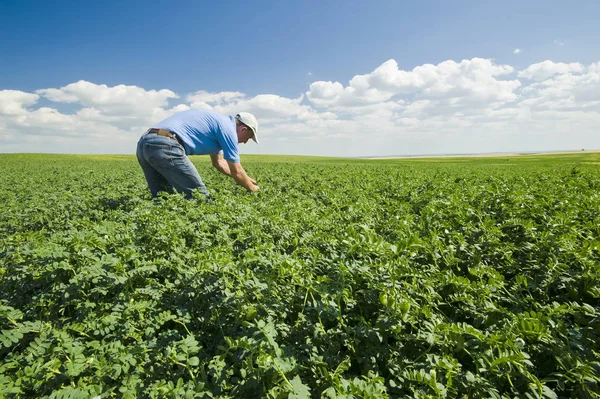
(553, 158)
(454, 277)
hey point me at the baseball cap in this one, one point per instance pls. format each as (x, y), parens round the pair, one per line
(249, 120)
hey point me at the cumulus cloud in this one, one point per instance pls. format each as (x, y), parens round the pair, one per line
(474, 105)
(14, 102)
(265, 106)
(546, 69)
(566, 86)
(516, 51)
(116, 100)
(469, 81)
(128, 108)
(204, 99)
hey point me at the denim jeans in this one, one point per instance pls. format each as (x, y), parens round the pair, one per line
(166, 166)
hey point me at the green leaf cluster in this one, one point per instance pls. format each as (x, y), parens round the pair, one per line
(340, 279)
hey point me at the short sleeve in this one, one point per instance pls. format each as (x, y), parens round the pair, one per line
(227, 138)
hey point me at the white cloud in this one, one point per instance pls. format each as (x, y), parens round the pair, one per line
(116, 100)
(474, 81)
(266, 107)
(271, 106)
(14, 102)
(418, 109)
(546, 69)
(516, 51)
(567, 87)
(129, 108)
(204, 99)
(473, 105)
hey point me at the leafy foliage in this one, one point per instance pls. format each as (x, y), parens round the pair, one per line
(340, 279)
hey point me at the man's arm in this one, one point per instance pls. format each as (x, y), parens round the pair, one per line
(239, 175)
(235, 171)
(220, 164)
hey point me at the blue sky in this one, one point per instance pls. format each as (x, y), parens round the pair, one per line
(270, 53)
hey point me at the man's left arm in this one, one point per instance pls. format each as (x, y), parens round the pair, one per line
(220, 163)
(223, 166)
(241, 177)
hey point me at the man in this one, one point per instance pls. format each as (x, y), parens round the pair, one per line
(162, 151)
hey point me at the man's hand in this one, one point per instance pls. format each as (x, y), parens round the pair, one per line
(255, 188)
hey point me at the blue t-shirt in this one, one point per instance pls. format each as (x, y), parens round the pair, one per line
(203, 131)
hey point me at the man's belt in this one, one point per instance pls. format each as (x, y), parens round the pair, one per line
(166, 133)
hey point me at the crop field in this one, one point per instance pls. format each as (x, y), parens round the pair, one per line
(395, 278)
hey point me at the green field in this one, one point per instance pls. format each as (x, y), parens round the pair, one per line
(341, 278)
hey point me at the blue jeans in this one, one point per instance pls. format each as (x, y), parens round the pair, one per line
(166, 166)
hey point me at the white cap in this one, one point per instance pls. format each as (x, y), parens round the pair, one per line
(249, 120)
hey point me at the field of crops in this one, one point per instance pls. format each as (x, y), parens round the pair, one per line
(418, 278)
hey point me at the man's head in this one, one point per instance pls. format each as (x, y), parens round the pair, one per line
(246, 127)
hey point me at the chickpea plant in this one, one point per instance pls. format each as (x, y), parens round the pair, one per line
(447, 278)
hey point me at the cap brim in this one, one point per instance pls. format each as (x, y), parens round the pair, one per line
(254, 137)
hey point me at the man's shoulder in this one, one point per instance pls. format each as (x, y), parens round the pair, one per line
(205, 120)
(225, 123)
